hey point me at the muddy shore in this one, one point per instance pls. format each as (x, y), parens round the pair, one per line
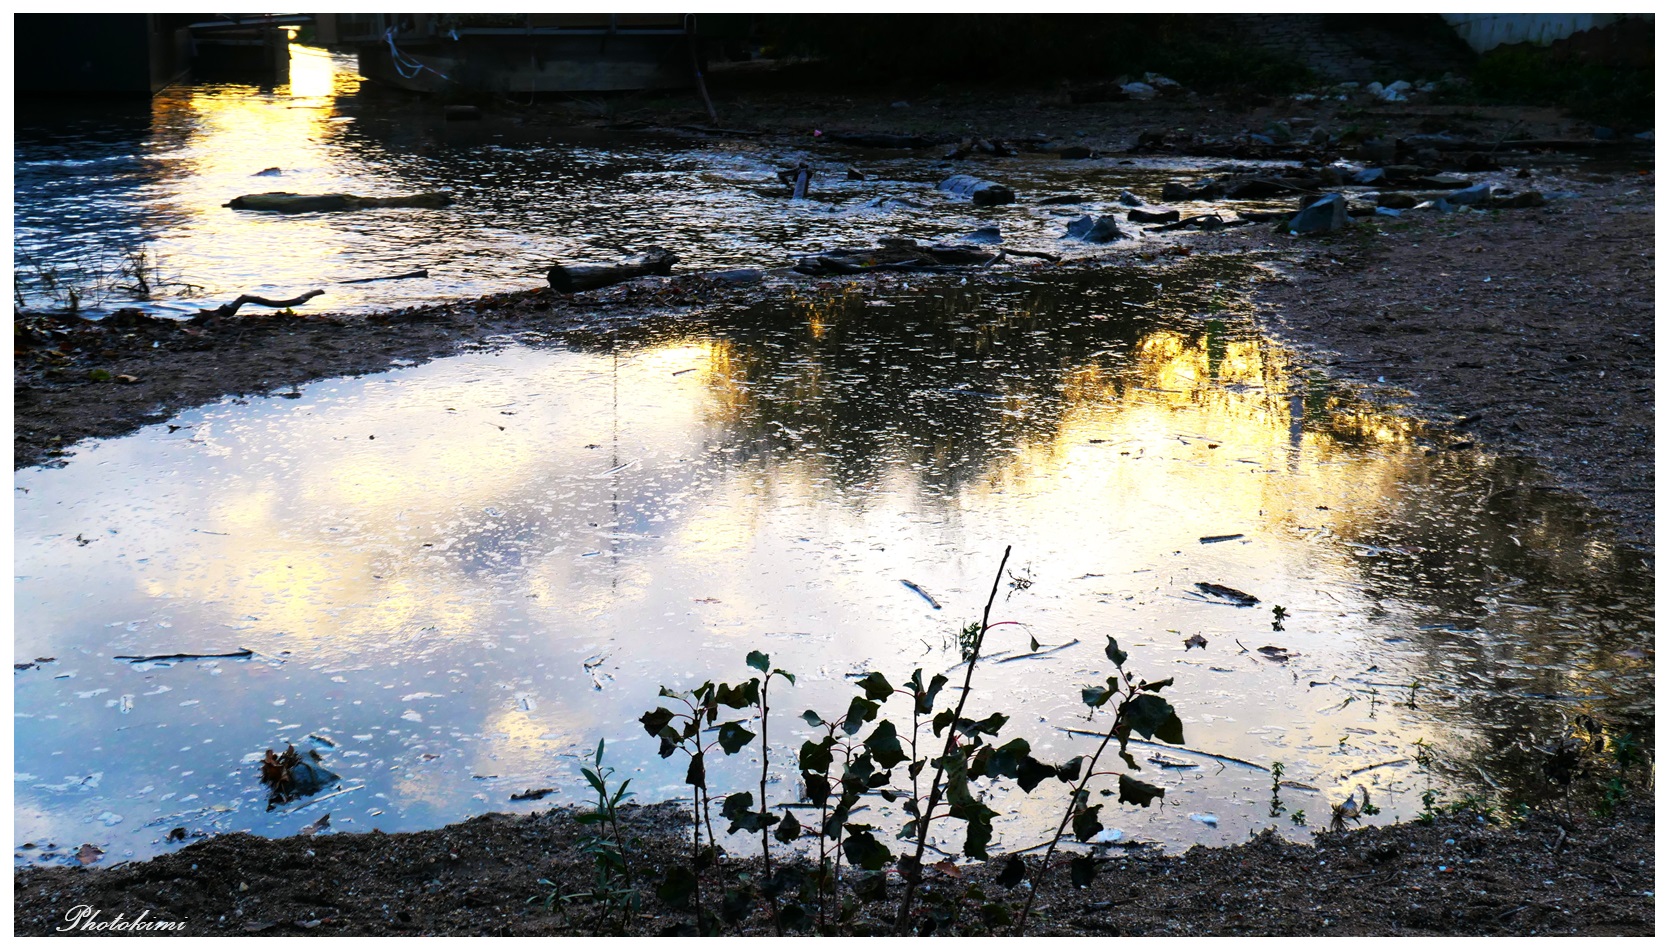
(1548, 875)
(1552, 358)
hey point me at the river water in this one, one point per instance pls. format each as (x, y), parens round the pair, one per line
(456, 578)
(100, 187)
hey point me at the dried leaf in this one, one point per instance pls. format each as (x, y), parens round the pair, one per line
(323, 823)
(949, 868)
(1195, 641)
(89, 854)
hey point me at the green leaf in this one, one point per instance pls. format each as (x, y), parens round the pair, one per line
(1147, 713)
(977, 818)
(1069, 772)
(864, 850)
(788, 829)
(1031, 773)
(1171, 730)
(677, 887)
(1096, 695)
(925, 698)
(696, 774)
(1005, 761)
(784, 675)
(732, 736)
(759, 661)
(1155, 686)
(941, 720)
(995, 915)
(738, 808)
(876, 686)
(1015, 870)
(858, 713)
(737, 905)
(1086, 824)
(817, 786)
(816, 756)
(883, 745)
(812, 718)
(794, 917)
(1139, 793)
(871, 888)
(746, 694)
(1082, 869)
(656, 721)
(1114, 653)
(989, 725)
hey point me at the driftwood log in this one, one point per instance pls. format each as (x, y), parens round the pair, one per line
(568, 278)
(292, 203)
(420, 273)
(227, 310)
(898, 254)
(980, 191)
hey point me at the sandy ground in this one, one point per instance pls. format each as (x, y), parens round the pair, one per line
(1524, 330)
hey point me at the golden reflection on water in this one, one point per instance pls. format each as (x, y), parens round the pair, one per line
(657, 507)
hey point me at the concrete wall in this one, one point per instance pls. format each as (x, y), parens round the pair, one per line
(1484, 31)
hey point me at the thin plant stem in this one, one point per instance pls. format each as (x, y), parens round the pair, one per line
(1067, 815)
(913, 875)
(765, 841)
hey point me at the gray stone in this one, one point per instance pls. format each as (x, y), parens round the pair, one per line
(1370, 176)
(988, 235)
(1326, 214)
(1474, 195)
(737, 276)
(1127, 198)
(980, 191)
(1158, 216)
(1100, 230)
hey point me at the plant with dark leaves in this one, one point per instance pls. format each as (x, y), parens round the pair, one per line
(614, 892)
(1140, 708)
(682, 731)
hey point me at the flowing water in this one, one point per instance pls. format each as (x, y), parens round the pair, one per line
(456, 578)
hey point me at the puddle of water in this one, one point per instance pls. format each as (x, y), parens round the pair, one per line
(96, 183)
(465, 573)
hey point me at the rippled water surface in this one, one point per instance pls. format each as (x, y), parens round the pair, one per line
(96, 186)
(457, 577)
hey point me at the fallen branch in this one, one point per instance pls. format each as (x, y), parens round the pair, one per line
(420, 273)
(227, 310)
(240, 653)
(587, 277)
(1189, 750)
(1039, 654)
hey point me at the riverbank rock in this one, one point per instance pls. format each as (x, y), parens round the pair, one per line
(980, 191)
(1099, 230)
(1326, 214)
(1153, 216)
